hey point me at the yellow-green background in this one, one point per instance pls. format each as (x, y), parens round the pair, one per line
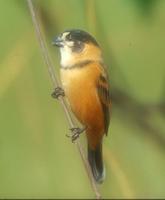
(36, 159)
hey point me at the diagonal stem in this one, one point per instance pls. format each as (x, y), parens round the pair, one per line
(55, 83)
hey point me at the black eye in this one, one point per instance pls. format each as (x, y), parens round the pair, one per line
(78, 46)
(69, 37)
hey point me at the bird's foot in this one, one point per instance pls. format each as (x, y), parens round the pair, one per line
(76, 133)
(58, 91)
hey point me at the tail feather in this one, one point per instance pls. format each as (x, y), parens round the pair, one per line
(96, 162)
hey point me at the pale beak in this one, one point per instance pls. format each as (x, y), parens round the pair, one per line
(58, 41)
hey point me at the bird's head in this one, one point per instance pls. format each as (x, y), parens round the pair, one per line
(76, 46)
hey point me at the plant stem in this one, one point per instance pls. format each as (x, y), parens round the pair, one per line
(55, 83)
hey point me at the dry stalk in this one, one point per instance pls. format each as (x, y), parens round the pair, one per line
(56, 84)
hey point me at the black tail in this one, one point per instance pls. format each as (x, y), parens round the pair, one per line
(96, 162)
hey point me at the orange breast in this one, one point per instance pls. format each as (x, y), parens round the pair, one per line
(81, 90)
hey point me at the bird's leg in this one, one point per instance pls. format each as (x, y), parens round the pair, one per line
(58, 91)
(76, 133)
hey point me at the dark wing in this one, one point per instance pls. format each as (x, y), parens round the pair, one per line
(104, 96)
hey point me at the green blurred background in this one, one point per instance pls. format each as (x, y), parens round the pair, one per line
(36, 159)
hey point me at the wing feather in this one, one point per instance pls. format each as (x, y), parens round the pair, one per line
(104, 96)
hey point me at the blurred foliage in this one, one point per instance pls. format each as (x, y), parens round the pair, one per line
(36, 159)
(146, 6)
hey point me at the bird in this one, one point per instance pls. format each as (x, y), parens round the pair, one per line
(85, 81)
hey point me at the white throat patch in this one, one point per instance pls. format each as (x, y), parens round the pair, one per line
(66, 56)
(66, 51)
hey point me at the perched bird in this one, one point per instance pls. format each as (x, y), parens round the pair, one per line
(85, 82)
